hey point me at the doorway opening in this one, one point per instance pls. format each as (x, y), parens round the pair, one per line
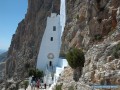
(50, 63)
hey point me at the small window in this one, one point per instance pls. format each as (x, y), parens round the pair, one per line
(54, 28)
(51, 38)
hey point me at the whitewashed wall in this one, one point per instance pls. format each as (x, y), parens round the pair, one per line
(48, 46)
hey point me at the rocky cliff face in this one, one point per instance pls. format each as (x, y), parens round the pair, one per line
(89, 22)
(93, 25)
(27, 38)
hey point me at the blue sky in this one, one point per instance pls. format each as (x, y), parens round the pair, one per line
(11, 13)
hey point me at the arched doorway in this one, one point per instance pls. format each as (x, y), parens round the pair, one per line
(50, 63)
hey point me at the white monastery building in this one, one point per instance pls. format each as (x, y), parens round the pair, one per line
(48, 58)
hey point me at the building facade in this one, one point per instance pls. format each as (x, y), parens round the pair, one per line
(48, 58)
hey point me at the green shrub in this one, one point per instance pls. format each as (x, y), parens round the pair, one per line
(75, 58)
(71, 88)
(39, 73)
(36, 73)
(98, 37)
(25, 83)
(116, 51)
(77, 16)
(32, 72)
(59, 87)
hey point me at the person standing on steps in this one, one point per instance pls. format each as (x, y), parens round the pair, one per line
(38, 84)
(49, 85)
(45, 85)
(30, 79)
(33, 83)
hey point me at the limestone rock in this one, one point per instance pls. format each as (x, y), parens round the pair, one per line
(94, 26)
